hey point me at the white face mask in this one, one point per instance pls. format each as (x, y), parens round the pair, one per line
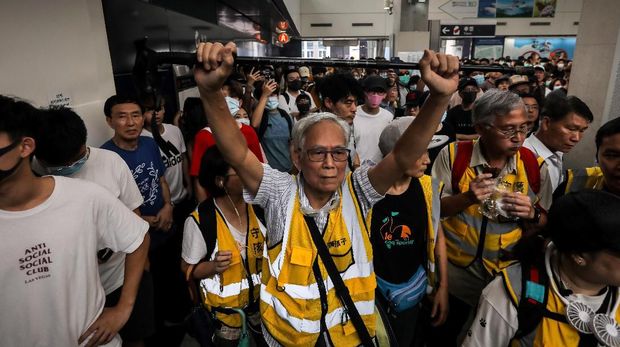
(556, 87)
(245, 121)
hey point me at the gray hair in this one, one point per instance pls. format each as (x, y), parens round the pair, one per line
(495, 103)
(303, 125)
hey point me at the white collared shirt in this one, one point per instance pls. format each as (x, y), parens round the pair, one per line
(553, 159)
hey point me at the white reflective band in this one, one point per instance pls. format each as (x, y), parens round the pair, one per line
(212, 285)
(312, 291)
(314, 326)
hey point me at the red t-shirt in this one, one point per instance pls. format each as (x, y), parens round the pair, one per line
(204, 139)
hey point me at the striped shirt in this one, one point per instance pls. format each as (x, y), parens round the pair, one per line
(274, 196)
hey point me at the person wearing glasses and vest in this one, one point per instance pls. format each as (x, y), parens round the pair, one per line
(319, 289)
(494, 188)
(564, 290)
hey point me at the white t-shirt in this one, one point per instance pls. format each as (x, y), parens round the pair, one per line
(367, 129)
(194, 246)
(291, 106)
(51, 291)
(497, 321)
(173, 159)
(109, 170)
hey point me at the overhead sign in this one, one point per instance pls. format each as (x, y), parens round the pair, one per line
(460, 9)
(467, 30)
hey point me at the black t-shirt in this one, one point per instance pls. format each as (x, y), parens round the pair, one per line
(460, 120)
(398, 234)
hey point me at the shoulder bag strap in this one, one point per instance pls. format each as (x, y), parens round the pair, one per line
(341, 290)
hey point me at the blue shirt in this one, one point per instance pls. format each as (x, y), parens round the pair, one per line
(147, 168)
(275, 142)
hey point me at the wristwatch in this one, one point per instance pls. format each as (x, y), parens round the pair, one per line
(537, 214)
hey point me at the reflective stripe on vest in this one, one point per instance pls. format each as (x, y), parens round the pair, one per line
(463, 230)
(290, 299)
(549, 332)
(230, 288)
(588, 178)
(432, 191)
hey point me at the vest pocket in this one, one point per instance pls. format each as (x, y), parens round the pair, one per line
(300, 267)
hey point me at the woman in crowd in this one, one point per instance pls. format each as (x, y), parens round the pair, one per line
(223, 249)
(563, 292)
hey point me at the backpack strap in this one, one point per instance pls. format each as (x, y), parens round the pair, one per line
(532, 306)
(286, 97)
(532, 168)
(462, 156)
(208, 225)
(289, 122)
(264, 123)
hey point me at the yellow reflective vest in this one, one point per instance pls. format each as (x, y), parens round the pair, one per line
(291, 308)
(230, 289)
(586, 178)
(470, 235)
(550, 331)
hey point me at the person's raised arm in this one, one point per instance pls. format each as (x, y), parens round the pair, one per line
(259, 112)
(215, 63)
(440, 73)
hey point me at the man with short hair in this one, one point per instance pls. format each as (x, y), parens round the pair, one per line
(340, 93)
(563, 123)
(459, 116)
(296, 307)
(293, 89)
(125, 116)
(532, 108)
(606, 176)
(52, 228)
(370, 119)
(62, 151)
(493, 188)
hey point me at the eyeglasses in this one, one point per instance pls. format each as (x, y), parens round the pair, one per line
(510, 133)
(320, 154)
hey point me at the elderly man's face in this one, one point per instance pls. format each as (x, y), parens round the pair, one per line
(324, 176)
(506, 134)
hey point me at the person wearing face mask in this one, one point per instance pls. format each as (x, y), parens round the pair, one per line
(459, 116)
(273, 126)
(556, 85)
(293, 90)
(62, 151)
(242, 117)
(489, 83)
(303, 103)
(370, 119)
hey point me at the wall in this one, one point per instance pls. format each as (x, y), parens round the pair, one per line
(51, 47)
(594, 77)
(61, 46)
(567, 12)
(341, 14)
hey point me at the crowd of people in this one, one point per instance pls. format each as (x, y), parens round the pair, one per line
(315, 207)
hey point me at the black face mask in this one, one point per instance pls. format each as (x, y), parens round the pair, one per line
(294, 85)
(6, 173)
(468, 97)
(303, 108)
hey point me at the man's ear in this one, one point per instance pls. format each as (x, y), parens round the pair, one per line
(109, 121)
(28, 146)
(545, 123)
(479, 128)
(295, 157)
(328, 103)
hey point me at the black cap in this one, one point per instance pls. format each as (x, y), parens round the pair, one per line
(414, 99)
(586, 221)
(375, 83)
(467, 81)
